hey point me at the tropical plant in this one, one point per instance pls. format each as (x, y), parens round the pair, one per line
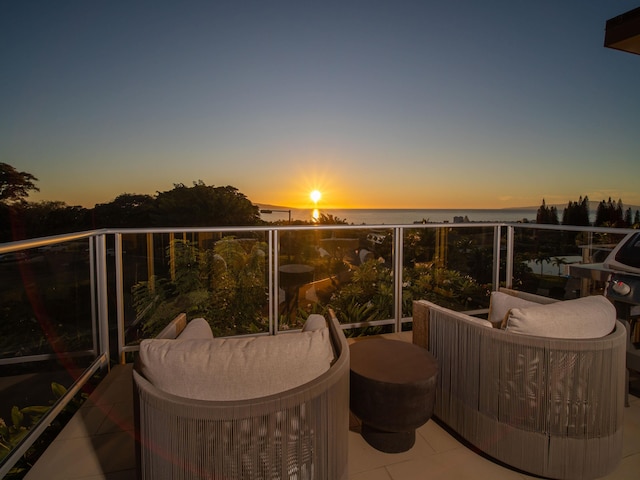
(24, 419)
(558, 262)
(367, 296)
(225, 284)
(446, 287)
(238, 282)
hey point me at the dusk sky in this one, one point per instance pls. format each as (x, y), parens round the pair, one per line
(377, 104)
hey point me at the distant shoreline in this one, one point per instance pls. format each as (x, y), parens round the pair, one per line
(404, 216)
(410, 216)
(593, 206)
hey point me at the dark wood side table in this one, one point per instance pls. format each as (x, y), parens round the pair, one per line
(392, 391)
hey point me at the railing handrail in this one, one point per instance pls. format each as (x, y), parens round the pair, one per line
(38, 242)
(18, 245)
(570, 228)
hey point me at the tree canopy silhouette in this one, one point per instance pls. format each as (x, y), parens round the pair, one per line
(547, 214)
(577, 213)
(198, 206)
(203, 205)
(610, 214)
(126, 210)
(14, 185)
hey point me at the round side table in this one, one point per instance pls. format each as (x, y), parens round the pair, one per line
(392, 391)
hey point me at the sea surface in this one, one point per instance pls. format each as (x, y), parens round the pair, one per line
(360, 216)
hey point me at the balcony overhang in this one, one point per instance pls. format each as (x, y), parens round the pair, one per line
(623, 32)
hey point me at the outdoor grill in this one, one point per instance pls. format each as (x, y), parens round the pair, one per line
(623, 285)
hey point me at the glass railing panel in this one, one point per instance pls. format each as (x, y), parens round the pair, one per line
(364, 276)
(450, 266)
(562, 263)
(46, 298)
(539, 256)
(347, 269)
(304, 278)
(588, 271)
(535, 250)
(220, 276)
(47, 334)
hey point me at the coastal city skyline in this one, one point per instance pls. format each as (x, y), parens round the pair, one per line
(375, 104)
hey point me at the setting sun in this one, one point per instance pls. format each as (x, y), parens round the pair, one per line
(315, 196)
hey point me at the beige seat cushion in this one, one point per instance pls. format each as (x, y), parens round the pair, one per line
(235, 368)
(588, 317)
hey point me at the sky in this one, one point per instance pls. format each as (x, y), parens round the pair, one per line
(376, 104)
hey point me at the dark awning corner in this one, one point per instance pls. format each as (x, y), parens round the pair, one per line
(623, 32)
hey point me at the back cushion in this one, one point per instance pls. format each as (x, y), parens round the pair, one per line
(587, 317)
(501, 303)
(197, 328)
(235, 368)
(314, 322)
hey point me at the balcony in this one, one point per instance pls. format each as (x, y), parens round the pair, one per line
(100, 269)
(98, 443)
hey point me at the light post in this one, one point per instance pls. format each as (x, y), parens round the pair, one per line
(288, 233)
(283, 211)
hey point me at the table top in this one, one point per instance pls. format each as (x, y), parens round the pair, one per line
(391, 361)
(295, 274)
(296, 268)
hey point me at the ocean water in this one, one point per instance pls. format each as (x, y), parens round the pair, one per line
(361, 216)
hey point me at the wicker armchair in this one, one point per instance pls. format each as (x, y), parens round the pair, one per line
(301, 433)
(633, 358)
(550, 407)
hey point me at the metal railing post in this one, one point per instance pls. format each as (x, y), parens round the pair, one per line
(102, 292)
(496, 256)
(92, 281)
(510, 256)
(398, 253)
(275, 297)
(119, 296)
(272, 302)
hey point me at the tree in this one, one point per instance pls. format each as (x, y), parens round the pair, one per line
(126, 210)
(601, 213)
(542, 258)
(609, 214)
(628, 217)
(547, 215)
(40, 219)
(329, 219)
(577, 213)
(203, 205)
(14, 185)
(558, 262)
(52, 218)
